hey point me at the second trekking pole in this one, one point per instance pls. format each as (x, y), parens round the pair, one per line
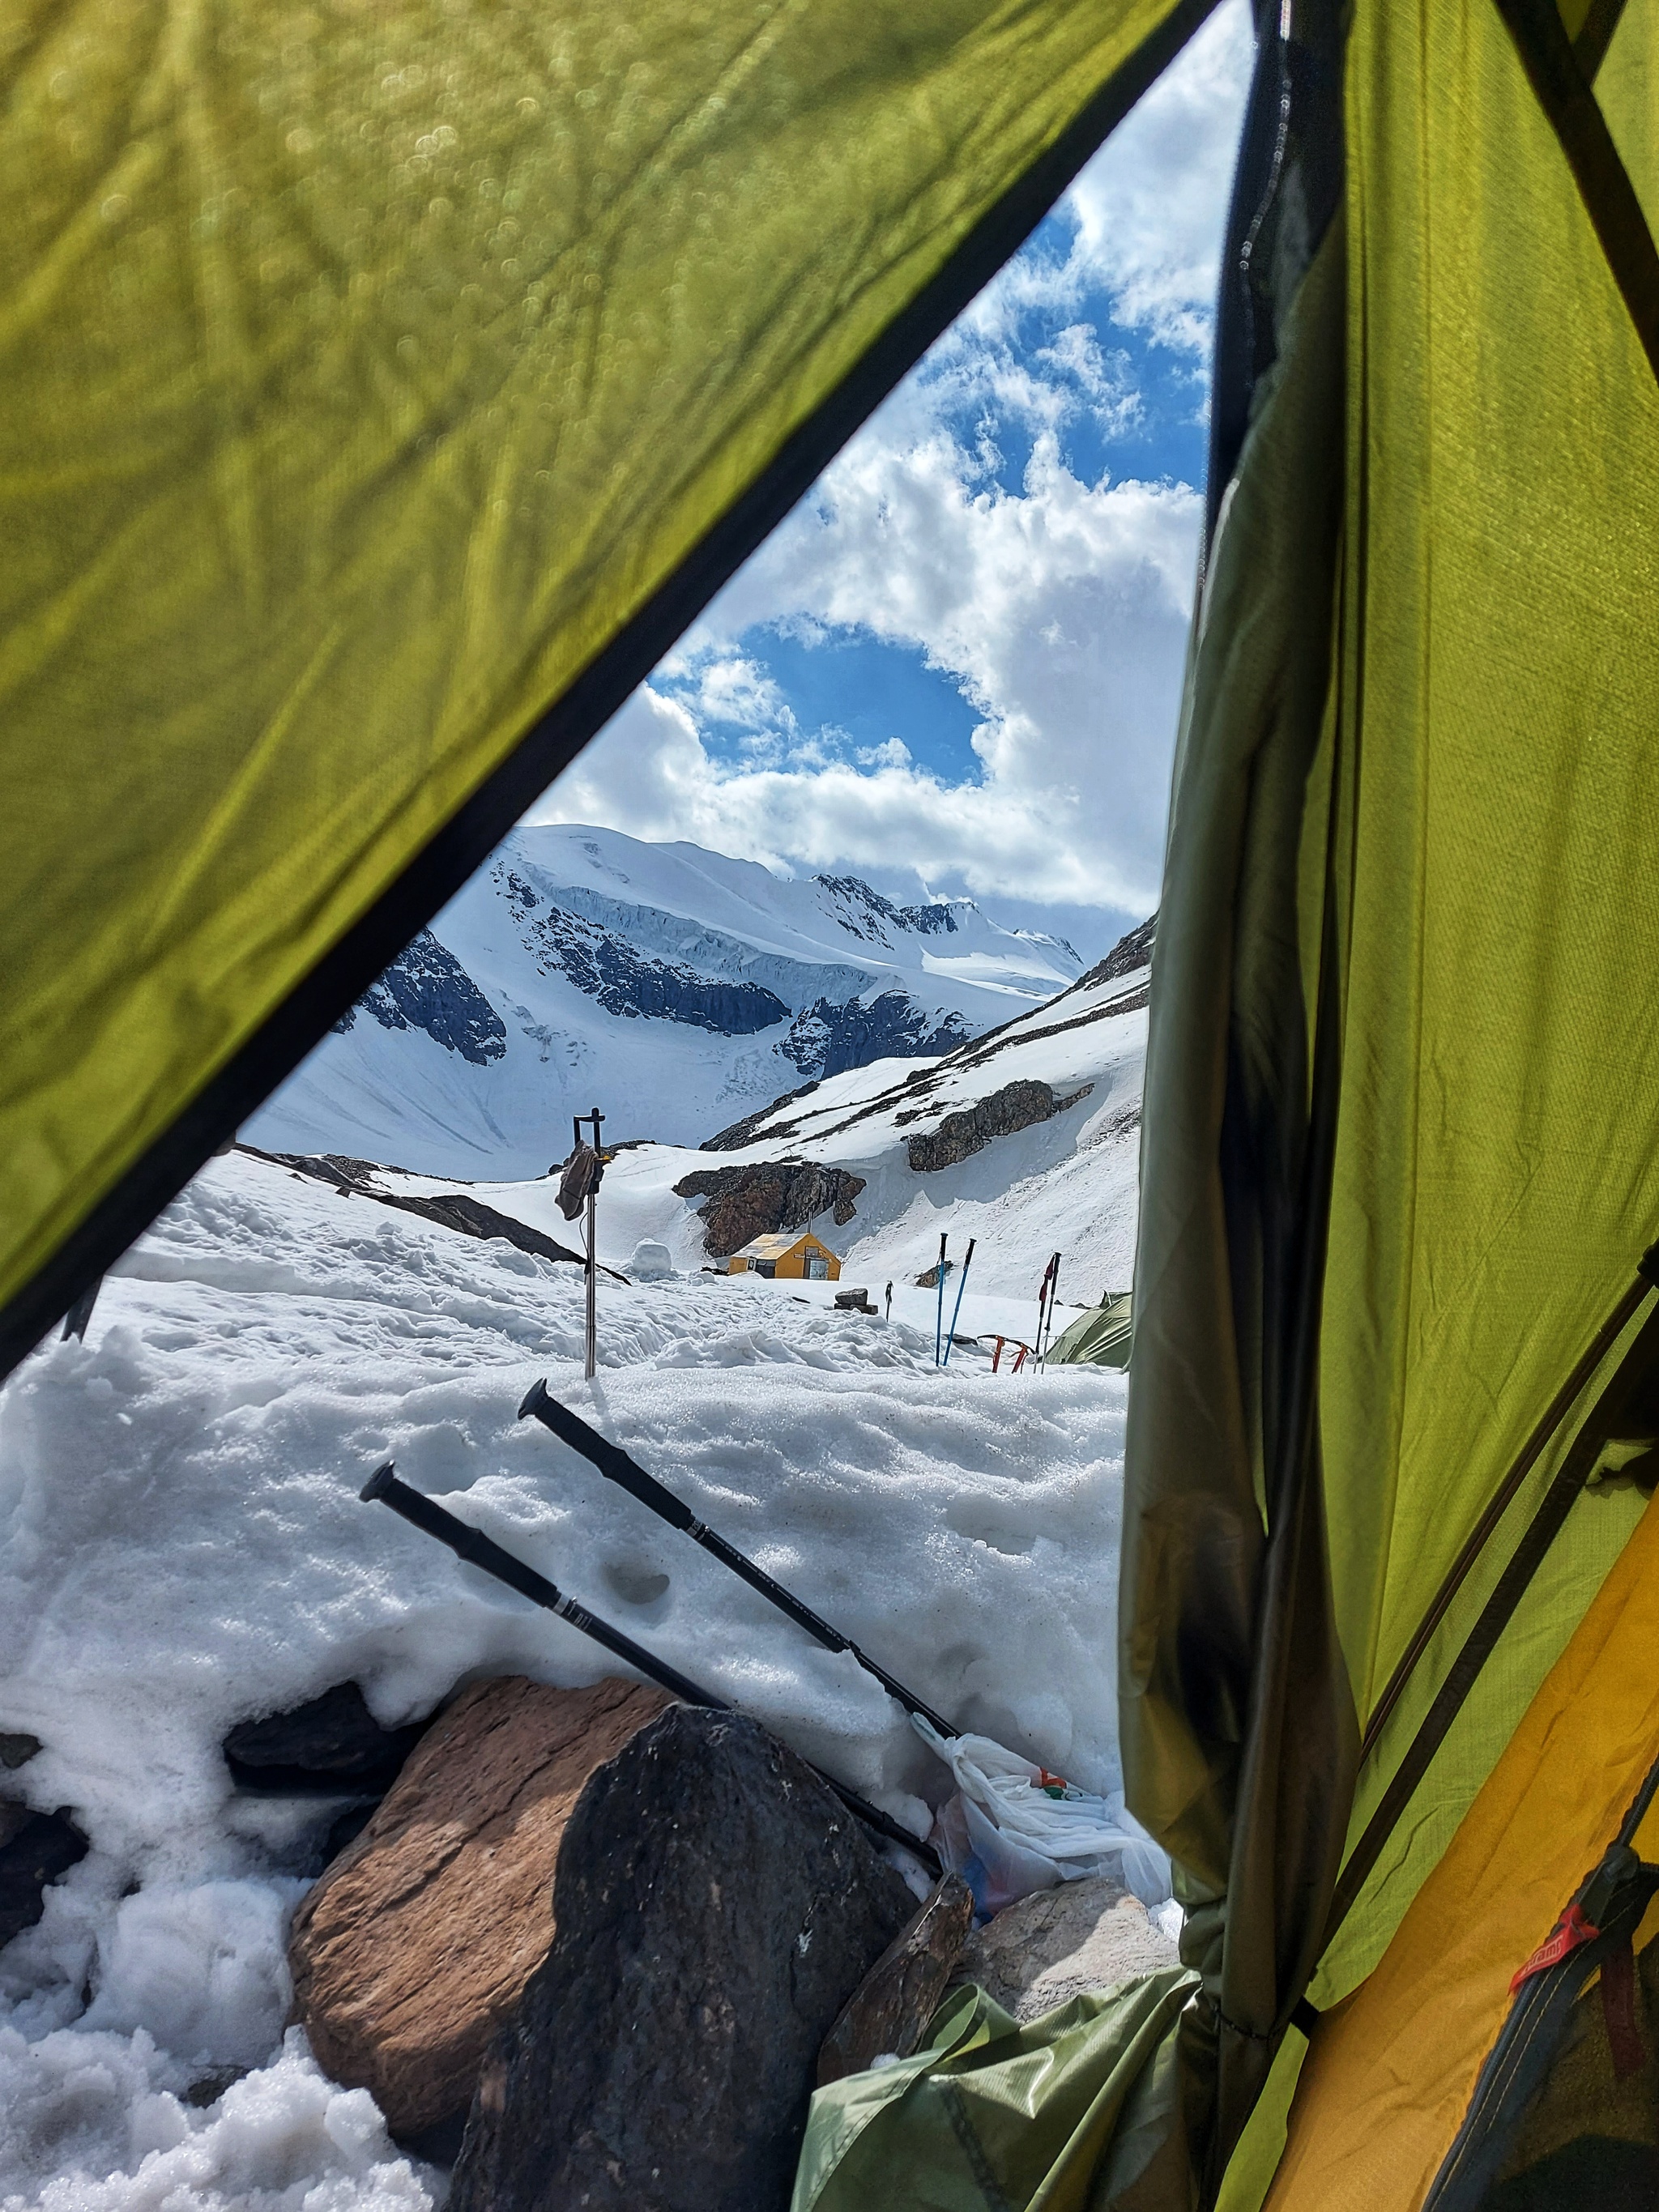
(955, 1312)
(939, 1320)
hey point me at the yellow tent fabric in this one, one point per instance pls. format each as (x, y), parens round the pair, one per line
(1386, 2080)
(366, 372)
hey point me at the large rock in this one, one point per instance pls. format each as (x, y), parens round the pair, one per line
(1045, 1949)
(332, 1743)
(744, 1203)
(1016, 1106)
(36, 1849)
(717, 1907)
(416, 1944)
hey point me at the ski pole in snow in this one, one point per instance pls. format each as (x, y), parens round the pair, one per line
(621, 1468)
(1044, 1295)
(938, 1323)
(591, 1350)
(478, 1550)
(1053, 1300)
(955, 1312)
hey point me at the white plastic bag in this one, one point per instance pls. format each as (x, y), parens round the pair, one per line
(1013, 1828)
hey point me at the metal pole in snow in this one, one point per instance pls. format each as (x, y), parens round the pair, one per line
(956, 1312)
(593, 1345)
(938, 1319)
(1044, 1336)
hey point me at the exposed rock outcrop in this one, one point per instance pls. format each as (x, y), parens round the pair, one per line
(450, 1209)
(1129, 953)
(415, 1946)
(426, 987)
(717, 1906)
(744, 1203)
(827, 1038)
(960, 1135)
(1046, 1948)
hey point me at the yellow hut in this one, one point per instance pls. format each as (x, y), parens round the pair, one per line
(799, 1258)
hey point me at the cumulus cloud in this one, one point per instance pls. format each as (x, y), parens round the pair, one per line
(1058, 606)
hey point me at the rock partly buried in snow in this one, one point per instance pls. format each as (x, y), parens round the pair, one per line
(415, 1946)
(651, 1262)
(1016, 1106)
(896, 1998)
(331, 1743)
(1042, 1950)
(17, 1747)
(744, 1203)
(717, 1907)
(35, 1851)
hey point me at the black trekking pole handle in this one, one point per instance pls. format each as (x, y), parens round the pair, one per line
(470, 1544)
(621, 1468)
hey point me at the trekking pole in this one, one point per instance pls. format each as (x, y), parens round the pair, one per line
(621, 1468)
(955, 1312)
(470, 1544)
(938, 1323)
(1053, 1300)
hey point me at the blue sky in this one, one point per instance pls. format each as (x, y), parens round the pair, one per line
(956, 667)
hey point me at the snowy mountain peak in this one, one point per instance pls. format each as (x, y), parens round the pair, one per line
(678, 988)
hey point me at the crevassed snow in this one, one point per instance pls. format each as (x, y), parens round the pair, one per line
(182, 1547)
(405, 1096)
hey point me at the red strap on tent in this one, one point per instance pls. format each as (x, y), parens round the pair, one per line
(1570, 1931)
(1619, 2012)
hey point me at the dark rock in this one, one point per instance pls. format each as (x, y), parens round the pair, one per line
(1130, 952)
(206, 2089)
(863, 912)
(426, 987)
(17, 1749)
(827, 1038)
(960, 1135)
(896, 1998)
(855, 1301)
(733, 1138)
(745, 1203)
(331, 1745)
(42, 1850)
(450, 1209)
(717, 1906)
(413, 1948)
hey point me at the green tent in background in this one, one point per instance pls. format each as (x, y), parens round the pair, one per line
(1101, 1337)
(385, 390)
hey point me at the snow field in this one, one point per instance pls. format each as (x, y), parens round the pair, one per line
(182, 1547)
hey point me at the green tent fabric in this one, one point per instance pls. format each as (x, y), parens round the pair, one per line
(1070, 2111)
(1101, 1337)
(385, 391)
(1400, 1162)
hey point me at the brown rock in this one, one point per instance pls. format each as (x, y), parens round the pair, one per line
(896, 1998)
(1045, 1949)
(416, 1943)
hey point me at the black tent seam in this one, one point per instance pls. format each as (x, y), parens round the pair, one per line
(1604, 186)
(1595, 36)
(1548, 1520)
(457, 849)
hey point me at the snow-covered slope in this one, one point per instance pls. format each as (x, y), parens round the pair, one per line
(182, 1547)
(1026, 1139)
(676, 988)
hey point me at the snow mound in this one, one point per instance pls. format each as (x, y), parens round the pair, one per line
(182, 1548)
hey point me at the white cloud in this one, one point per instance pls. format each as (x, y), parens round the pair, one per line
(1061, 608)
